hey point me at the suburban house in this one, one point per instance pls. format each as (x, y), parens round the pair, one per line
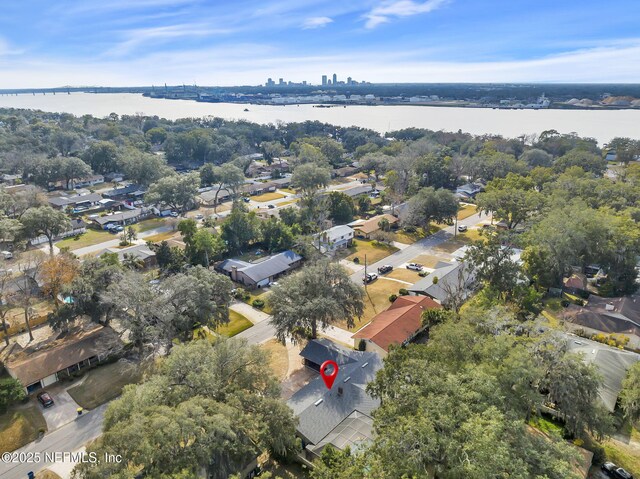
(358, 190)
(575, 284)
(612, 365)
(257, 275)
(266, 187)
(208, 196)
(113, 177)
(10, 179)
(455, 278)
(77, 202)
(365, 228)
(88, 181)
(607, 315)
(469, 191)
(126, 192)
(346, 171)
(140, 252)
(122, 218)
(40, 365)
(341, 416)
(334, 239)
(76, 227)
(398, 325)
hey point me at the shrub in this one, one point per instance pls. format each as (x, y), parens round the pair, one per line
(362, 345)
(403, 292)
(392, 297)
(422, 274)
(564, 303)
(240, 293)
(435, 280)
(258, 303)
(356, 260)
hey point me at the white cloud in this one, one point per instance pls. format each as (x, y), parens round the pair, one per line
(316, 22)
(390, 9)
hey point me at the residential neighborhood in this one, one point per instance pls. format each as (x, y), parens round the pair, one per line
(231, 282)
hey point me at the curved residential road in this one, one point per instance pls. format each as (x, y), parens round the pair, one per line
(68, 438)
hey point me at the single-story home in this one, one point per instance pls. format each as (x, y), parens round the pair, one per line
(141, 252)
(469, 191)
(398, 325)
(262, 273)
(453, 278)
(10, 179)
(126, 192)
(209, 197)
(575, 284)
(341, 416)
(40, 365)
(334, 239)
(122, 218)
(365, 228)
(76, 227)
(77, 202)
(114, 176)
(88, 181)
(358, 190)
(607, 315)
(346, 171)
(612, 364)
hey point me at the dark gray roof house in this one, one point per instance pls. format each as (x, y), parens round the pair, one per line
(451, 277)
(126, 191)
(256, 275)
(341, 416)
(62, 202)
(124, 217)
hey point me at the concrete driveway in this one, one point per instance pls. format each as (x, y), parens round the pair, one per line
(62, 412)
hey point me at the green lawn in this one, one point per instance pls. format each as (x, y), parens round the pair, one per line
(466, 211)
(267, 197)
(278, 358)
(373, 252)
(459, 241)
(547, 425)
(149, 224)
(376, 300)
(623, 455)
(161, 236)
(237, 323)
(104, 384)
(21, 425)
(89, 238)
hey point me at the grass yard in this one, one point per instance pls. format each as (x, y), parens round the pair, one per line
(623, 455)
(104, 384)
(291, 191)
(374, 253)
(290, 202)
(21, 425)
(267, 197)
(402, 236)
(237, 323)
(466, 211)
(459, 241)
(278, 358)
(376, 300)
(403, 274)
(47, 474)
(90, 238)
(149, 224)
(427, 260)
(161, 236)
(546, 425)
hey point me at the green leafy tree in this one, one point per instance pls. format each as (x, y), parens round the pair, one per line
(341, 207)
(430, 205)
(207, 410)
(240, 228)
(205, 246)
(276, 235)
(591, 162)
(72, 169)
(314, 298)
(11, 392)
(102, 156)
(44, 220)
(143, 168)
(308, 178)
(630, 394)
(229, 177)
(512, 199)
(177, 191)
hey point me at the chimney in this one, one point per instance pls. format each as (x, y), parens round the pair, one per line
(234, 273)
(340, 391)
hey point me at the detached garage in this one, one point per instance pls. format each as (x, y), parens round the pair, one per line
(43, 364)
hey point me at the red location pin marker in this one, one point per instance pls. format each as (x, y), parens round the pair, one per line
(329, 378)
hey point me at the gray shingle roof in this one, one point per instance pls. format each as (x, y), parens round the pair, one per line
(74, 200)
(447, 276)
(271, 266)
(320, 350)
(321, 410)
(123, 215)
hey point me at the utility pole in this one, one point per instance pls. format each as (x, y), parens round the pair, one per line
(365, 271)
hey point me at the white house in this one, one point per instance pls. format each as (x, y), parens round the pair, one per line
(333, 239)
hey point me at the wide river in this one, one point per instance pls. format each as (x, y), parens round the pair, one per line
(602, 125)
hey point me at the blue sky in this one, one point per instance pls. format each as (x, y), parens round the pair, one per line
(218, 42)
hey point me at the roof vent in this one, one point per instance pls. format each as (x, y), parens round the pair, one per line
(609, 307)
(365, 365)
(346, 379)
(340, 391)
(318, 402)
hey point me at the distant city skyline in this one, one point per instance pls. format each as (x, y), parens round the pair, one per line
(324, 81)
(143, 42)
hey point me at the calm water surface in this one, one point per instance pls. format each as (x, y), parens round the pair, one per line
(602, 125)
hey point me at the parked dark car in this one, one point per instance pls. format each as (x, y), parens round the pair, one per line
(270, 207)
(616, 472)
(385, 269)
(45, 399)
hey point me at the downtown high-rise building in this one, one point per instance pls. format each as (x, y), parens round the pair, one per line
(335, 79)
(324, 80)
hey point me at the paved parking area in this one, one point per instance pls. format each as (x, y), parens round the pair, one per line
(62, 412)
